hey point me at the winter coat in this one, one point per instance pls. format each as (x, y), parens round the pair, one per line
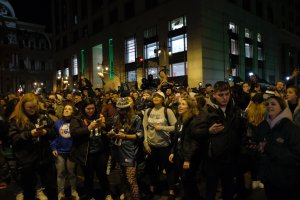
(85, 142)
(32, 151)
(191, 138)
(280, 161)
(225, 146)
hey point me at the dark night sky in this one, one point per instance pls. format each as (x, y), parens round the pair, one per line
(34, 11)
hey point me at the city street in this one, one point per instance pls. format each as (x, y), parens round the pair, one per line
(8, 194)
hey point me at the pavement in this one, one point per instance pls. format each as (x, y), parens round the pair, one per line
(9, 194)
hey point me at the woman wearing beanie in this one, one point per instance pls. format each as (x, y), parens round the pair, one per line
(127, 133)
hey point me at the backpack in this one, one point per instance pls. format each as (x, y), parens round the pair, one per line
(165, 112)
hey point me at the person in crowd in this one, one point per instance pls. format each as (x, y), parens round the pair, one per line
(85, 84)
(61, 148)
(292, 97)
(109, 110)
(69, 97)
(30, 133)
(244, 97)
(279, 147)
(78, 101)
(158, 122)
(280, 89)
(90, 148)
(98, 98)
(208, 90)
(255, 114)
(164, 82)
(146, 101)
(127, 133)
(190, 145)
(226, 130)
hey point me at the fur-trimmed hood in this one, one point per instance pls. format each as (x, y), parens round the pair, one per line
(286, 113)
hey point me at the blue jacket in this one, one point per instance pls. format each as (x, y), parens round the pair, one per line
(63, 141)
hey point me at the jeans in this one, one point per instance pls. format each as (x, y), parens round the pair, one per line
(65, 167)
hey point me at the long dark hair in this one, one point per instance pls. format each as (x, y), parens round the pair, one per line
(86, 102)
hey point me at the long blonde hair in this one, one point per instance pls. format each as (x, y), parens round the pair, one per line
(19, 114)
(193, 108)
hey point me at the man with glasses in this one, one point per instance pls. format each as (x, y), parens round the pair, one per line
(226, 129)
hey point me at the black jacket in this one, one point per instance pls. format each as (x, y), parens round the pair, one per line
(191, 138)
(82, 141)
(31, 151)
(280, 163)
(226, 145)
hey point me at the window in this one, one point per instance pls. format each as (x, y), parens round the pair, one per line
(234, 48)
(131, 76)
(67, 72)
(177, 23)
(259, 53)
(259, 37)
(130, 50)
(233, 27)
(178, 69)
(150, 32)
(58, 74)
(248, 33)
(150, 50)
(75, 65)
(248, 50)
(178, 43)
(153, 71)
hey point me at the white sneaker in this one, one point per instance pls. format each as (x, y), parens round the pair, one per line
(40, 195)
(20, 196)
(108, 197)
(75, 195)
(60, 196)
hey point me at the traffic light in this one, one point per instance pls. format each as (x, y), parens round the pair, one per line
(139, 61)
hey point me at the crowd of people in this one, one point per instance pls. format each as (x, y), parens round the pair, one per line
(230, 138)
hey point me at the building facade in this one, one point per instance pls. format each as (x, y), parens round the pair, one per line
(118, 41)
(25, 54)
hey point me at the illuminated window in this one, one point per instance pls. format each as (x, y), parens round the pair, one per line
(233, 27)
(149, 50)
(130, 50)
(67, 72)
(178, 43)
(234, 47)
(259, 53)
(75, 65)
(177, 23)
(58, 74)
(248, 33)
(153, 71)
(259, 39)
(248, 50)
(179, 69)
(131, 76)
